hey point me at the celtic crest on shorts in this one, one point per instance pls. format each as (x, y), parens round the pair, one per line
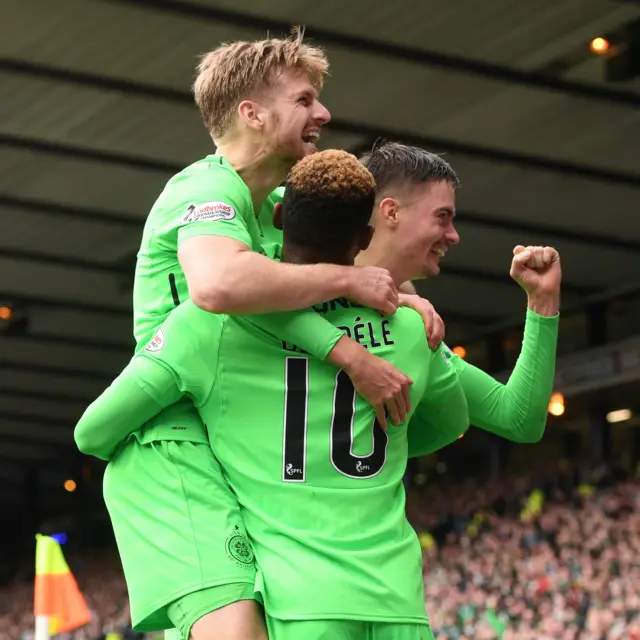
(239, 548)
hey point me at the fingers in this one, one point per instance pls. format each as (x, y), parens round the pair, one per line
(389, 308)
(437, 331)
(394, 410)
(433, 323)
(535, 257)
(407, 399)
(399, 405)
(381, 416)
(393, 295)
(391, 303)
(521, 258)
(551, 255)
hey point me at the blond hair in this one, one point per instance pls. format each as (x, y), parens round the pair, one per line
(232, 72)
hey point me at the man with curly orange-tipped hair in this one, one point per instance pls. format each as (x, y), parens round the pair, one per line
(318, 480)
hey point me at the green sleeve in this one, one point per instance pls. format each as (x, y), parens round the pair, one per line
(304, 328)
(140, 392)
(518, 409)
(442, 415)
(187, 345)
(215, 202)
(181, 359)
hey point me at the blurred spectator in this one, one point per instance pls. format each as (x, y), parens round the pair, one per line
(563, 562)
(541, 557)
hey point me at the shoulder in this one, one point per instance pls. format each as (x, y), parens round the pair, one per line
(187, 326)
(207, 182)
(410, 322)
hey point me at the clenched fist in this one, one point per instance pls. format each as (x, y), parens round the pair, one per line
(537, 270)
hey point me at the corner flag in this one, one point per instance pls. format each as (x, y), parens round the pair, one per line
(58, 604)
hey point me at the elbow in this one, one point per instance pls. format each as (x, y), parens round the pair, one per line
(529, 432)
(536, 434)
(86, 443)
(83, 442)
(217, 299)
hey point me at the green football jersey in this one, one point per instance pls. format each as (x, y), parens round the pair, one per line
(319, 483)
(206, 198)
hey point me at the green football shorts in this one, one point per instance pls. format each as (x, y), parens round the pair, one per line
(345, 630)
(178, 529)
(185, 611)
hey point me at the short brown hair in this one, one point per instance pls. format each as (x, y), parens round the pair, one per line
(328, 199)
(229, 74)
(394, 165)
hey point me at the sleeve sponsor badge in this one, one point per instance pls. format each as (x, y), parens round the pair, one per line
(209, 211)
(156, 343)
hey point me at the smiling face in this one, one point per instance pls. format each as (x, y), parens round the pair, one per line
(421, 220)
(292, 117)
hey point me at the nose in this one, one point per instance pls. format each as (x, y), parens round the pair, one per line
(452, 235)
(321, 114)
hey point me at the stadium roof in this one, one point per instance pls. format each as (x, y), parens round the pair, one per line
(96, 114)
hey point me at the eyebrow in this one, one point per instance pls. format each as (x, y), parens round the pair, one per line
(310, 93)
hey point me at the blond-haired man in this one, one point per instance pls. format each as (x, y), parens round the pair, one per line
(185, 554)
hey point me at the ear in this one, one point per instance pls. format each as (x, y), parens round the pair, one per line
(251, 114)
(387, 213)
(277, 215)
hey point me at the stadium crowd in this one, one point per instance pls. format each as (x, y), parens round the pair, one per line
(527, 557)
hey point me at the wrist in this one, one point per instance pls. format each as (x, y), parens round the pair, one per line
(344, 281)
(544, 304)
(346, 353)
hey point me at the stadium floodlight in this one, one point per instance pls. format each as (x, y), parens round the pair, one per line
(620, 415)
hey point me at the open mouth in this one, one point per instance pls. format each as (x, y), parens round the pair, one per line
(311, 137)
(438, 251)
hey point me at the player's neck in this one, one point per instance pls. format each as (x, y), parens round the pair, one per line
(378, 255)
(259, 171)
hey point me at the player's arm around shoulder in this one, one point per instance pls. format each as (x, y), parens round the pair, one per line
(153, 380)
(185, 347)
(213, 219)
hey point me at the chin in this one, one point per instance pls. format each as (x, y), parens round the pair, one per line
(431, 271)
(307, 149)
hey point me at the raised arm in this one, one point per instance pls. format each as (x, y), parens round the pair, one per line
(517, 410)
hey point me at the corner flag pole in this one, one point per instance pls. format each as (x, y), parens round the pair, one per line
(42, 628)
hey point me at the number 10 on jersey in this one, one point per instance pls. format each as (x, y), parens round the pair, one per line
(341, 436)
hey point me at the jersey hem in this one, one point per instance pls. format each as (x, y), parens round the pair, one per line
(139, 623)
(342, 616)
(148, 438)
